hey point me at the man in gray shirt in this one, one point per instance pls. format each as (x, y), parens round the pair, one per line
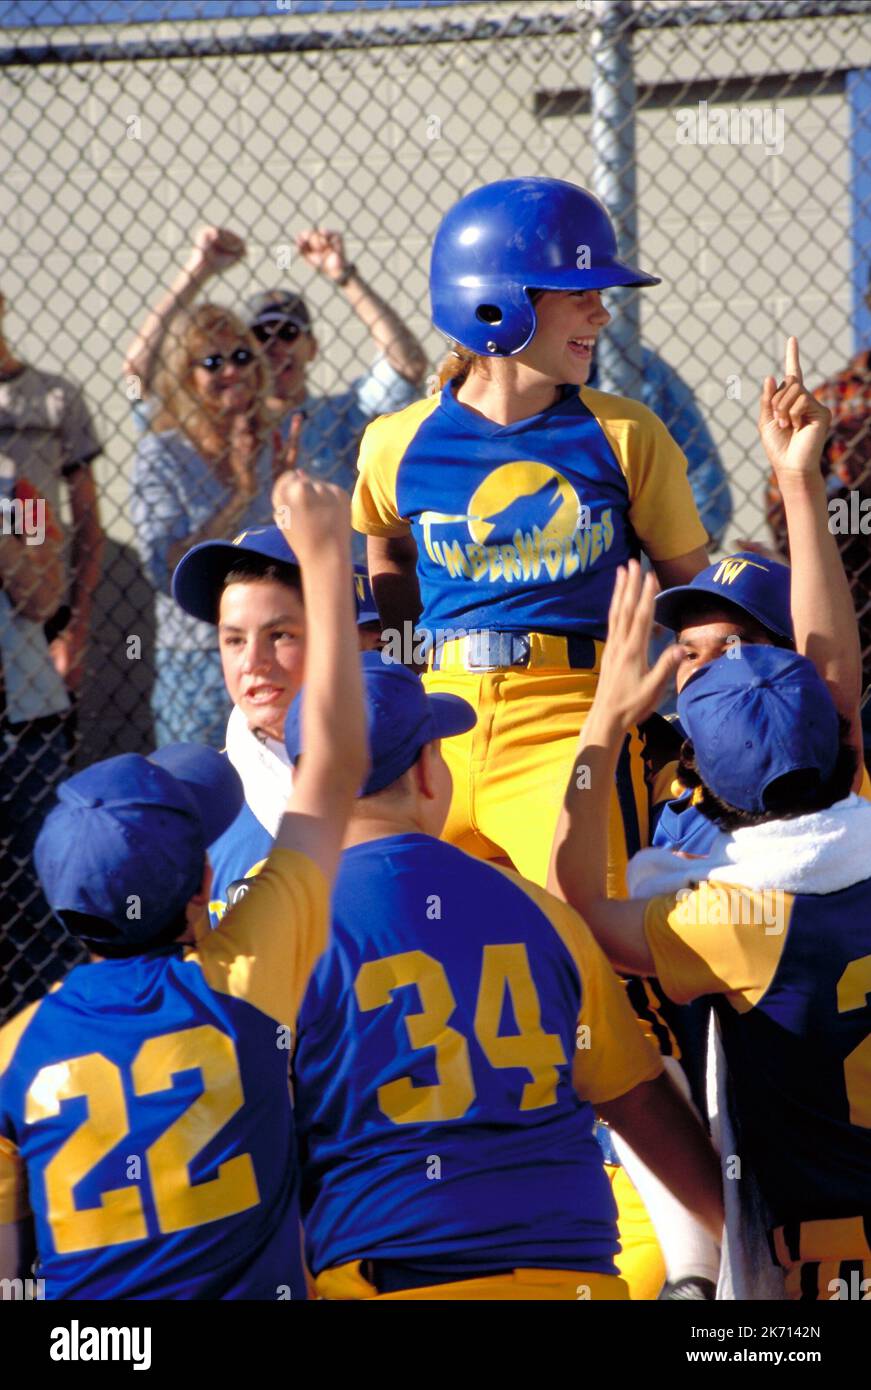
(47, 438)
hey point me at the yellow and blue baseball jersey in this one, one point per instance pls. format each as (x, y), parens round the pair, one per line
(145, 1113)
(522, 527)
(441, 1042)
(235, 857)
(680, 825)
(791, 980)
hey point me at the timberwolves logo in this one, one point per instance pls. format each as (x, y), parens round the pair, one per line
(732, 567)
(524, 521)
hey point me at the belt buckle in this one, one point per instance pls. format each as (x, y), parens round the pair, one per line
(494, 651)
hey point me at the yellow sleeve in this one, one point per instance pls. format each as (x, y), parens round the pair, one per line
(718, 939)
(374, 508)
(865, 789)
(661, 506)
(612, 1055)
(14, 1205)
(267, 944)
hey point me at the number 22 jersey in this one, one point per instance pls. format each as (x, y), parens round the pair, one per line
(145, 1114)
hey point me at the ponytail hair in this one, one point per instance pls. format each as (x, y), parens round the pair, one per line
(459, 361)
(456, 366)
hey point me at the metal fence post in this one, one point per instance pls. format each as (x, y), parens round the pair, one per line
(613, 134)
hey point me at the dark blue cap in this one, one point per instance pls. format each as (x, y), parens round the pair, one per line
(760, 587)
(199, 576)
(755, 716)
(400, 718)
(367, 610)
(127, 839)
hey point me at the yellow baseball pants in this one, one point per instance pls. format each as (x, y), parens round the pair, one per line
(511, 770)
(640, 1261)
(528, 1285)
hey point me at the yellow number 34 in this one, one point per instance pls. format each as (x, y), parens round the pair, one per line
(531, 1048)
(179, 1204)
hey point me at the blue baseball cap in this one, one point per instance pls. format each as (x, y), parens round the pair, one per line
(199, 576)
(760, 587)
(755, 717)
(400, 718)
(367, 609)
(127, 839)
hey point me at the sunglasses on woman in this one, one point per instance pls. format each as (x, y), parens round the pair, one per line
(240, 357)
(285, 333)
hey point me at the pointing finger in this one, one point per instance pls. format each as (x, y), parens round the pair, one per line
(792, 364)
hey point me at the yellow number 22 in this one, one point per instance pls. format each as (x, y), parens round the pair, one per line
(179, 1204)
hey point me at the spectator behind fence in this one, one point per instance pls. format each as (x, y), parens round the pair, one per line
(846, 468)
(281, 321)
(33, 750)
(203, 471)
(666, 393)
(47, 437)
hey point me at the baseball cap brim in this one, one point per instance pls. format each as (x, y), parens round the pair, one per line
(672, 605)
(451, 715)
(392, 748)
(211, 780)
(282, 306)
(602, 276)
(279, 315)
(440, 716)
(199, 575)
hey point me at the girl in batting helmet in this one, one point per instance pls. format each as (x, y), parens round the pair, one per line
(515, 493)
(502, 506)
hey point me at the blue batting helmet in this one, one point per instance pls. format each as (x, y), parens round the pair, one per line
(511, 237)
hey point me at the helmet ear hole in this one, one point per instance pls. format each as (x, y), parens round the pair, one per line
(488, 313)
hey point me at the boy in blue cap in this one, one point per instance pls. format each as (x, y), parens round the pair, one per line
(748, 597)
(250, 589)
(778, 930)
(144, 1107)
(452, 1045)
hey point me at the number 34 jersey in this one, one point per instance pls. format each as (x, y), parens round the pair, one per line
(145, 1110)
(442, 1042)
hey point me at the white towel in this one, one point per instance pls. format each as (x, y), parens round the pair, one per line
(265, 770)
(818, 853)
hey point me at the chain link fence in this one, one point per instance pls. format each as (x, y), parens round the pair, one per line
(732, 143)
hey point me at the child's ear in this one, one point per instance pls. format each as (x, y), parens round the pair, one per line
(424, 767)
(201, 897)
